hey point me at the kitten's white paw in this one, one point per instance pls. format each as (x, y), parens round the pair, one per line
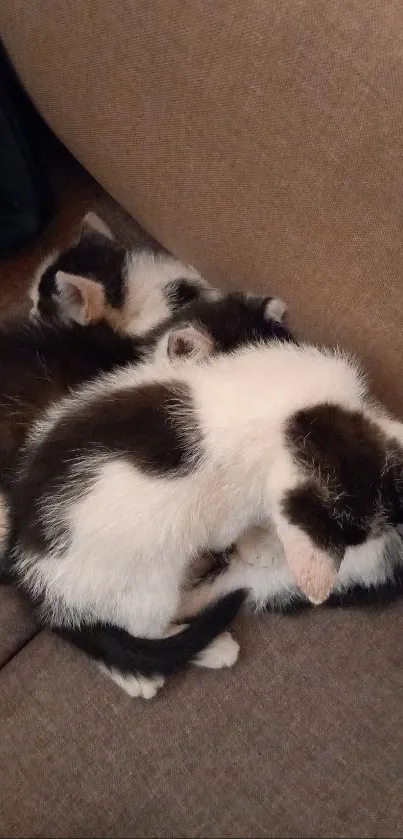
(137, 686)
(222, 652)
(276, 309)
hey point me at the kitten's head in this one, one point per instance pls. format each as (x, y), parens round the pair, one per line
(82, 282)
(222, 324)
(349, 492)
(96, 279)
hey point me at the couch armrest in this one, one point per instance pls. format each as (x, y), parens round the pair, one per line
(262, 142)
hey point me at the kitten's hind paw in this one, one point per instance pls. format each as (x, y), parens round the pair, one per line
(222, 652)
(137, 686)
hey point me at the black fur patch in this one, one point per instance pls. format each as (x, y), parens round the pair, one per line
(142, 424)
(375, 597)
(95, 257)
(351, 490)
(233, 321)
(146, 424)
(357, 596)
(309, 507)
(116, 649)
(40, 364)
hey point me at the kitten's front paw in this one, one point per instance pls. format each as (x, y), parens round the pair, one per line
(222, 652)
(137, 686)
(276, 309)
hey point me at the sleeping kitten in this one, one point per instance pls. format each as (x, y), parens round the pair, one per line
(98, 279)
(40, 362)
(151, 467)
(372, 573)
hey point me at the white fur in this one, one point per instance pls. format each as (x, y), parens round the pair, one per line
(222, 652)
(33, 291)
(276, 309)
(259, 565)
(131, 516)
(145, 687)
(133, 535)
(146, 276)
(97, 224)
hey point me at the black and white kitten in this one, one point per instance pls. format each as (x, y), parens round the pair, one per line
(44, 359)
(98, 279)
(123, 483)
(39, 363)
(87, 299)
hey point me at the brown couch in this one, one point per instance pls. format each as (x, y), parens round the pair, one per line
(261, 141)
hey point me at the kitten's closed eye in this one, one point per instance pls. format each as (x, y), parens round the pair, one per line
(181, 292)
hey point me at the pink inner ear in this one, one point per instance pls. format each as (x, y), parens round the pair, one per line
(84, 298)
(191, 342)
(314, 570)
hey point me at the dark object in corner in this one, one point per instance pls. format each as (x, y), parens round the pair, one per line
(25, 195)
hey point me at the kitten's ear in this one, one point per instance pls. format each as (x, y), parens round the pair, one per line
(80, 299)
(274, 309)
(93, 227)
(313, 569)
(189, 342)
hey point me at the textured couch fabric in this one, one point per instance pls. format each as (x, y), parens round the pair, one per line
(16, 624)
(262, 142)
(303, 738)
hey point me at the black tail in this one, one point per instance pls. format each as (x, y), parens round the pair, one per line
(119, 650)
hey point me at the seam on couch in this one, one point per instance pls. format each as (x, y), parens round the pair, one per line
(19, 647)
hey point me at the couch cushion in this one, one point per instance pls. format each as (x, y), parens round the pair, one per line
(304, 737)
(262, 144)
(17, 625)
